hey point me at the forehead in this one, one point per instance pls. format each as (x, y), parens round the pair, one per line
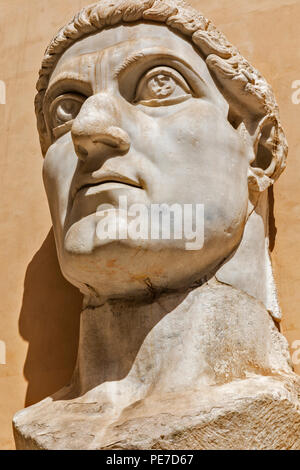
(117, 43)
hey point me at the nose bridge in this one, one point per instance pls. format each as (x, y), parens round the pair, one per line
(98, 124)
(99, 110)
(97, 113)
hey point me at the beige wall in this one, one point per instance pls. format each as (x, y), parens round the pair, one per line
(39, 310)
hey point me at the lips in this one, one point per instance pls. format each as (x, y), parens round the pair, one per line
(111, 177)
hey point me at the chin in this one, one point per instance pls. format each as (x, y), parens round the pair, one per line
(111, 270)
(125, 270)
(131, 268)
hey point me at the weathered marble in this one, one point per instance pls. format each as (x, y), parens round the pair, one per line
(178, 347)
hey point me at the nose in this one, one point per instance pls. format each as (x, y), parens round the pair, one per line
(96, 129)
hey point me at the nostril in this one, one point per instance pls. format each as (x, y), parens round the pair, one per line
(81, 151)
(114, 137)
(105, 139)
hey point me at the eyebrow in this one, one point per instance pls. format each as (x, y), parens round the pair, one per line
(148, 53)
(132, 59)
(68, 76)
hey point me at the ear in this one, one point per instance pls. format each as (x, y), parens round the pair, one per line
(269, 154)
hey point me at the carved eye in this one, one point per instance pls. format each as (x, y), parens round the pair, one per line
(65, 108)
(162, 86)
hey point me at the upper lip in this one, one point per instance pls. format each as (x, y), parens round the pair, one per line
(107, 177)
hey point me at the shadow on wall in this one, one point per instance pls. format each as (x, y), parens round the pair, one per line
(49, 321)
(272, 223)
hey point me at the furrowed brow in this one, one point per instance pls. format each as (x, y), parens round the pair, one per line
(153, 52)
(67, 81)
(132, 59)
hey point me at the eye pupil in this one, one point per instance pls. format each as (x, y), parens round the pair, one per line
(67, 110)
(161, 86)
(69, 106)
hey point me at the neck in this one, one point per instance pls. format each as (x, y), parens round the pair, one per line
(130, 349)
(112, 335)
(249, 268)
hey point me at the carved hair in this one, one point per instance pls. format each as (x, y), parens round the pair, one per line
(251, 98)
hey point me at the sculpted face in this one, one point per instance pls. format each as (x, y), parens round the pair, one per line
(134, 112)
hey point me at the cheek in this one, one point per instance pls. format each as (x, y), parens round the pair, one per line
(202, 127)
(200, 139)
(58, 171)
(204, 160)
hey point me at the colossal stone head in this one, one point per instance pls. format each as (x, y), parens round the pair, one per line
(143, 104)
(147, 100)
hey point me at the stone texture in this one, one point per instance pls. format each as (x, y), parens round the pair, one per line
(259, 413)
(214, 394)
(116, 113)
(57, 366)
